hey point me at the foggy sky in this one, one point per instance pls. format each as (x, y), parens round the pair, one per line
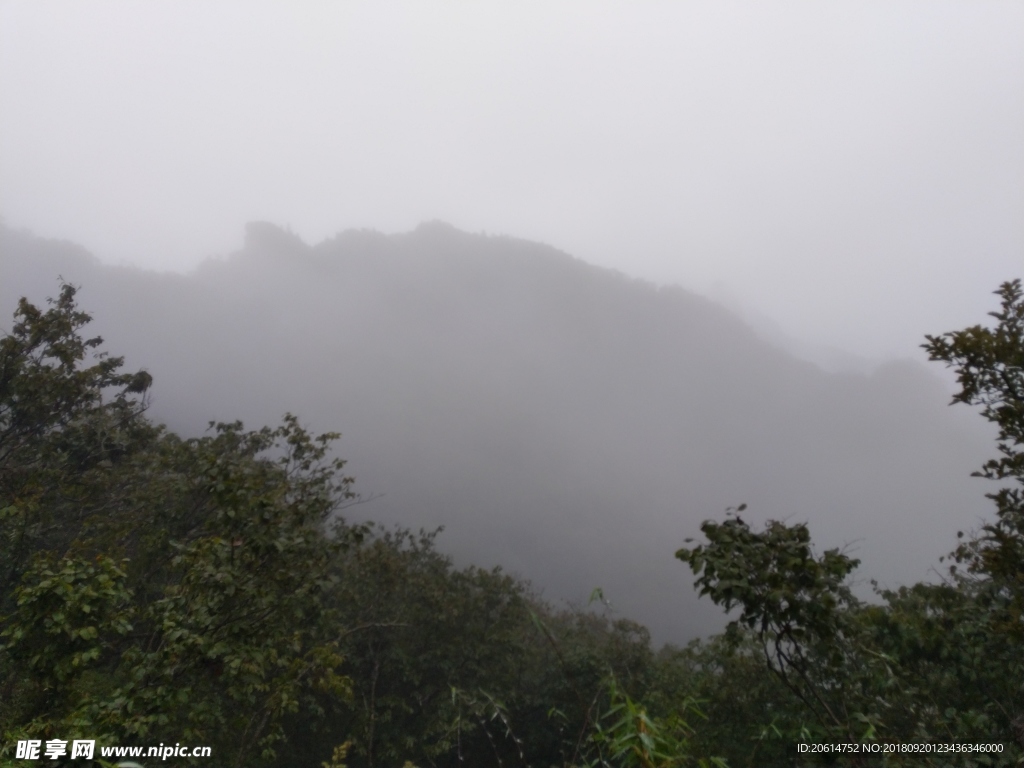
(850, 173)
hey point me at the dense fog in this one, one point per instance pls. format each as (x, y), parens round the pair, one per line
(850, 174)
(565, 421)
(689, 254)
(519, 384)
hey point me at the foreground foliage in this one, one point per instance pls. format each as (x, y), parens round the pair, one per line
(933, 663)
(154, 589)
(159, 589)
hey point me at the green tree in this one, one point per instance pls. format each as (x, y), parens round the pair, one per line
(797, 606)
(989, 365)
(933, 662)
(62, 424)
(155, 589)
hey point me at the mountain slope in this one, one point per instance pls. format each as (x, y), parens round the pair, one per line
(565, 421)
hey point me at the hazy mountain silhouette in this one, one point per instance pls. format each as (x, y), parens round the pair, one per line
(567, 422)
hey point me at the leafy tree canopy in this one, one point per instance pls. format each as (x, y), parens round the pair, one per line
(155, 588)
(933, 662)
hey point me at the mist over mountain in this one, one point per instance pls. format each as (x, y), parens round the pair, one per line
(565, 421)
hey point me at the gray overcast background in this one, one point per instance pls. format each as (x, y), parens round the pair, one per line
(851, 173)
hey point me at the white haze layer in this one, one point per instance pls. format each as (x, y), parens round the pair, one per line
(851, 173)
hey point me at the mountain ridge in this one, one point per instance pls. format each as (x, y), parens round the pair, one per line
(565, 421)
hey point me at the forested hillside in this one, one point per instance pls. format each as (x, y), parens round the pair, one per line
(566, 422)
(210, 591)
